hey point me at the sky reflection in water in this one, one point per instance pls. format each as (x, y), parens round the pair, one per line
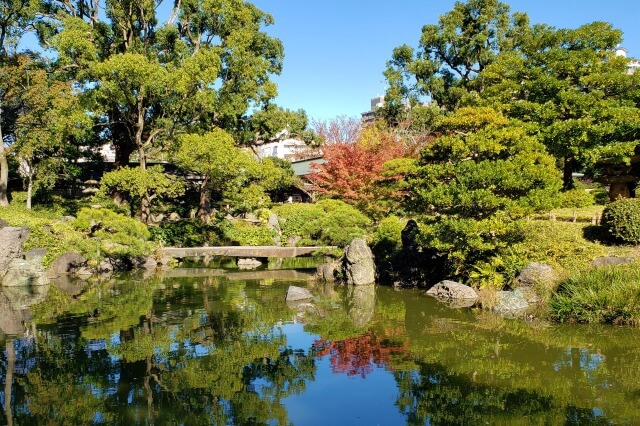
(227, 349)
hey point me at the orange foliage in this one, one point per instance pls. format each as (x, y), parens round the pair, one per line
(358, 355)
(351, 171)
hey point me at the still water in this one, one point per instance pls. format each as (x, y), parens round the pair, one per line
(205, 346)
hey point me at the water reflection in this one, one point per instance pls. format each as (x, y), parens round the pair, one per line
(361, 301)
(213, 349)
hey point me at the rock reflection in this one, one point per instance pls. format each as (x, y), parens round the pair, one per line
(361, 303)
(211, 350)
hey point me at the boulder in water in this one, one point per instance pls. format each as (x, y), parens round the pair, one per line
(358, 264)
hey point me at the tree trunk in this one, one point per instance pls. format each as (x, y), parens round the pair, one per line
(29, 192)
(204, 208)
(145, 209)
(567, 173)
(123, 155)
(120, 138)
(4, 167)
(142, 157)
(4, 174)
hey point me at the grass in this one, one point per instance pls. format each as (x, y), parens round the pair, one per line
(604, 295)
(47, 230)
(583, 214)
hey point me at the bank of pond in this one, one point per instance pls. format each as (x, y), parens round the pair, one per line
(222, 346)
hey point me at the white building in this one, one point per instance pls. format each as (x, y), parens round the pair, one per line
(633, 65)
(285, 148)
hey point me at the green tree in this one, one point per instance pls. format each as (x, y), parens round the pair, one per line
(472, 182)
(51, 120)
(222, 164)
(572, 86)
(141, 187)
(15, 16)
(450, 56)
(206, 67)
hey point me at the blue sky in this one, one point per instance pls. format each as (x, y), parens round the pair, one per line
(335, 50)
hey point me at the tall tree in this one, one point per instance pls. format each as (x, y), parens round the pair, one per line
(571, 84)
(215, 157)
(208, 66)
(15, 17)
(50, 121)
(472, 182)
(450, 56)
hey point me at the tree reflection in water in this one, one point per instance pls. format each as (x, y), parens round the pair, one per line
(207, 350)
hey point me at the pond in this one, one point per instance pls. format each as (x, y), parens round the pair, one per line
(213, 346)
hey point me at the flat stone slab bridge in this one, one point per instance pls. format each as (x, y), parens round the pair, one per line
(242, 251)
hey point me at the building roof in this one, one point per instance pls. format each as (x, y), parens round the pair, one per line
(303, 167)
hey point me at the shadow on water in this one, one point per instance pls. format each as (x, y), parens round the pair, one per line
(222, 347)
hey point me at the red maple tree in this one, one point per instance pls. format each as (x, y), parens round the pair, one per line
(352, 171)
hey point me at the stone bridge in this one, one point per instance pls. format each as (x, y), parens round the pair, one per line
(242, 251)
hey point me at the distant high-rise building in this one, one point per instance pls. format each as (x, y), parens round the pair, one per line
(370, 115)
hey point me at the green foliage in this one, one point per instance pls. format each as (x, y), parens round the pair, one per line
(330, 222)
(387, 235)
(603, 295)
(215, 156)
(296, 219)
(249, 198)
(486, 165)
(489, 274)
(451, 54)
(112, 234)
(472, 183)
(341, 223)
(187, 233)
(469, 242)
(621, 219)
(559, 244)
(141, 186)
(577, 198)
(47, 231)
(569, 83)
(249, 234)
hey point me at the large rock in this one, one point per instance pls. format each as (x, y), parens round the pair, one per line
(65, 264)
(24, 296)
(69, 284)
(11, 239)
(535, 273)
(510, 303)
(297, 293)
(453, 293)
(357, 263)
(274, 224)
(21, 272)
(600, 262)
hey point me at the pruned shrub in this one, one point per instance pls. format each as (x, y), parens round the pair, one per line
(387, 236)
(188, 233)
(248, 234)
(111, 234)
(330, 222)
(621, 219)
(577, 198)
